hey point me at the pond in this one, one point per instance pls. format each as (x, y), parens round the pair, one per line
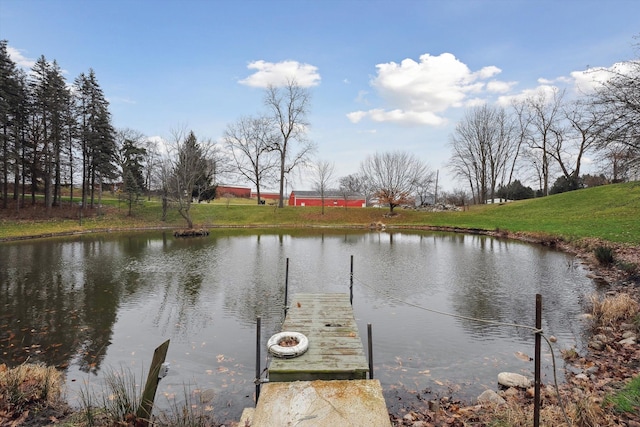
(96, 304)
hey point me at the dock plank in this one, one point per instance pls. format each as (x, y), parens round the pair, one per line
(335, 348)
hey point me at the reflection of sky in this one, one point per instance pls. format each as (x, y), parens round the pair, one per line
(205, 294)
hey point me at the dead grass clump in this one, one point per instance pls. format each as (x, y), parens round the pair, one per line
(613, 309)
(27, 387)
(580, 410)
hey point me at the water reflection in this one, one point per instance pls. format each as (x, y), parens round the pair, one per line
(94, 302)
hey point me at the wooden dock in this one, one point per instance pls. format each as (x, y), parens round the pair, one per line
(327, 385)
(335, 349)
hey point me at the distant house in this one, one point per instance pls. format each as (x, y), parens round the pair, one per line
(331, 198)
(224, 190)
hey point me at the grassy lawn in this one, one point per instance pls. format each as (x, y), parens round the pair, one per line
(611, 213)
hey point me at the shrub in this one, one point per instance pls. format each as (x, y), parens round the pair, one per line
(604, 255)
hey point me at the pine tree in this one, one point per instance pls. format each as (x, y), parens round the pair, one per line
(132, 171)
(97, 136)
(9, 99)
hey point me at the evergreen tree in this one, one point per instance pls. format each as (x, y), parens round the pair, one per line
(59, 101)
(9, 100)
(97, 136)
(132, 171)
(188, 170)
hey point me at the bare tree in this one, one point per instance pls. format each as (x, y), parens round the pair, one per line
(322, 177)
(289, 108)
(423, 189)
(394, 176)
(483, 148)
(352, 185)
(617, 101)
(250, 141)
(573, 141)
(152, 162)
(544, 110)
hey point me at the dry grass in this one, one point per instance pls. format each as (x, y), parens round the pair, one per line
(581, 411)
(28, 387)
(611, 309)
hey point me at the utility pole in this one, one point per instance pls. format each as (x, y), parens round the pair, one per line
(435, 196)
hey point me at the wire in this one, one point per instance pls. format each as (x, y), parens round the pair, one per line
(489, 322)
(457, 316)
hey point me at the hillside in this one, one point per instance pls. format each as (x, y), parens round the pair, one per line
(608, 213)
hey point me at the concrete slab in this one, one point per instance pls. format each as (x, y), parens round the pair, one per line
(340, 403)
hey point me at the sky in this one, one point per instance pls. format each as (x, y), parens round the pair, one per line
(383, 75)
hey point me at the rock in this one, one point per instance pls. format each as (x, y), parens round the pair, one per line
(490, 396)
(600, 337)
(410, 417)
(627, 341)
(596, 345)
(629, 334)
(627, 326)
(592, 370)
(509, 379)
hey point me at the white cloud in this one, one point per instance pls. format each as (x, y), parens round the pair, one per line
(580, 82)
(279, 73)
(496, 86)
(475, 102)
(17, 57)
(545, 91)
(356, 116)
(362, 97)
(591, 79)
(420, 92)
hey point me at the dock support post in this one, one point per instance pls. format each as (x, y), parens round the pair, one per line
(370, 348)
(351, 283)
(286, 289)
(536, 403)
(258, 322)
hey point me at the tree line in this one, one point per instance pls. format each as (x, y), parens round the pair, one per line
(51, 131)
(54, 134)
(545, 136)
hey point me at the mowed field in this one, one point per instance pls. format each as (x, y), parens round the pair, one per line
(610, 213)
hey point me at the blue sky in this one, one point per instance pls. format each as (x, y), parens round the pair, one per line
(383, 75)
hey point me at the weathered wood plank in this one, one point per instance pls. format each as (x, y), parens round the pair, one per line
(335, 348)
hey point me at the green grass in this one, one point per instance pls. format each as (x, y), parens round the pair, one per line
(610, 213)
(627, 400)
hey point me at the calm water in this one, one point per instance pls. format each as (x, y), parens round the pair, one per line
(94, 304)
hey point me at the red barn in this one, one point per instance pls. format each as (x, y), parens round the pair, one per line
(266, 195)
(223, 190)
(331, 198)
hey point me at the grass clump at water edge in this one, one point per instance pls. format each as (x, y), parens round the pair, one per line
(627, 400)
(27, 390)
(117, 402)
(611, 309)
